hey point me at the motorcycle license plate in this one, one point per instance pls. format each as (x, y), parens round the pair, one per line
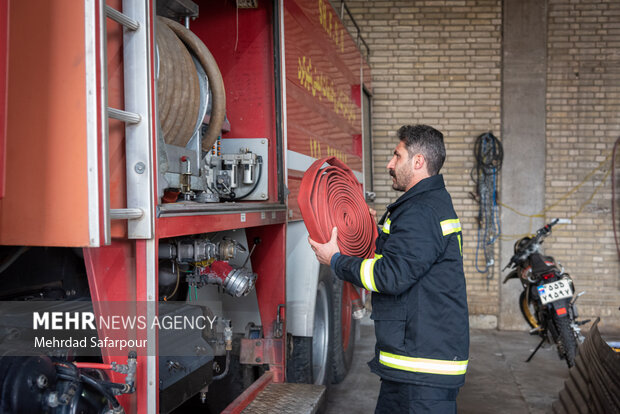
(553, 291)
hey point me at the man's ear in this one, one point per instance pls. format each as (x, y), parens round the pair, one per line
(419, 161)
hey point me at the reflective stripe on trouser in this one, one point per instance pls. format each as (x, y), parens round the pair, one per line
(367, 275)
(450, 226)
(423, 365)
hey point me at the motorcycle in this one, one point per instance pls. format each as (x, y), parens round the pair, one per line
(547, 301)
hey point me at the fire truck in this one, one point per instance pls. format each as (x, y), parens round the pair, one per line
(151, 155)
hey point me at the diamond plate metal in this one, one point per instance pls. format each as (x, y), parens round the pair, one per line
(288, 398)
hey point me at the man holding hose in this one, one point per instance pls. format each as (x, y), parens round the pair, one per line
(419, 302)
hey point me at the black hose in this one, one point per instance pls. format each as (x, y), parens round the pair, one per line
(67, 369)
(69, 372)
(489, 153)
(223, 374)
(103, 390)
(122, 388)
(258, 177)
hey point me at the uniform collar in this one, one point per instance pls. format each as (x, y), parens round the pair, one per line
(434, 182)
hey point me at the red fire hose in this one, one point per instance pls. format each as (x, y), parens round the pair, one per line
(332, 197)
(92, 365)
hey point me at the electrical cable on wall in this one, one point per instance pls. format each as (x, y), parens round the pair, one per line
(489, 155)
(602, 167)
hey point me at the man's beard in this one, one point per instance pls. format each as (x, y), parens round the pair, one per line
(402, 179)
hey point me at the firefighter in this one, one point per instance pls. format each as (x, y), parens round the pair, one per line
(419, 302)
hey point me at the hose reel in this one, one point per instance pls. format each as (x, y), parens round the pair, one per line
(178, 85)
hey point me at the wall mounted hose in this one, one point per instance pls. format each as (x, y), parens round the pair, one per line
(332, 197)
(489, 155)
(173, 94)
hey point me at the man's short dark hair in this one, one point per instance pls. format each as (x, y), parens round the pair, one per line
(425, 140)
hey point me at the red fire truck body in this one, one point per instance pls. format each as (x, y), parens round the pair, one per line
(90, 173)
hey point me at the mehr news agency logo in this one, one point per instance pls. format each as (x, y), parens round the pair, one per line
(61, 323)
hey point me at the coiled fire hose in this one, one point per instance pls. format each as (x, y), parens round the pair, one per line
(175, 90)
(178, 89)
(332, 197)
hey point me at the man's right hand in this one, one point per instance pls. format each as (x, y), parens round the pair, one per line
(325, 251)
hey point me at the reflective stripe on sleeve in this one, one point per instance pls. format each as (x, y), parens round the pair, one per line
(367, 275)
(386, 226)
(450, 226)
(423, 365)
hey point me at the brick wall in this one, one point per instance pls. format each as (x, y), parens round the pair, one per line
(583, 121)
(438, 63)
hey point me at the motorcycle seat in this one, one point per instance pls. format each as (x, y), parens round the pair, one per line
(542, 264)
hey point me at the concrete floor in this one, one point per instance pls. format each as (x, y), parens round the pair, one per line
(498, 380)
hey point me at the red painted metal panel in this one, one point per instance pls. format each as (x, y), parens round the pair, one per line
(262, 351)
(322, 65)
(179, 226)
(268, 261)
(294, 182)
(111, 277)
(241, 41)
(142, 298)
(117, 280)
(4, 66)
(323, 75)
(46, 149)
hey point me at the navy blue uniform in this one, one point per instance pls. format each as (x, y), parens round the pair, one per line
(419, 301)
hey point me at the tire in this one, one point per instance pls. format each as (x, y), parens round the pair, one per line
(528, 311)
(567, 343)
(311, 358)
(344, 331)
(299, 364)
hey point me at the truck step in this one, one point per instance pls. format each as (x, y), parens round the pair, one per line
(288, 399)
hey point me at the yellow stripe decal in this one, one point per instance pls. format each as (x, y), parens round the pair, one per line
(423, 365)
(460, 243)
(386, 226)
(367, 273)
(450, 226)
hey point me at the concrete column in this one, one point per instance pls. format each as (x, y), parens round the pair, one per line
(523, 134)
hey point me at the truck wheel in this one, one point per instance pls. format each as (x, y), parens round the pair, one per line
(311, 358)
(344, 330)
(299, 363)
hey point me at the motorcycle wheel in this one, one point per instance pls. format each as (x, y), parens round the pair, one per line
(567, 343)
(528, 311)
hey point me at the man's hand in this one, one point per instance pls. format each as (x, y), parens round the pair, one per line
(324, 252)
(373, 213)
